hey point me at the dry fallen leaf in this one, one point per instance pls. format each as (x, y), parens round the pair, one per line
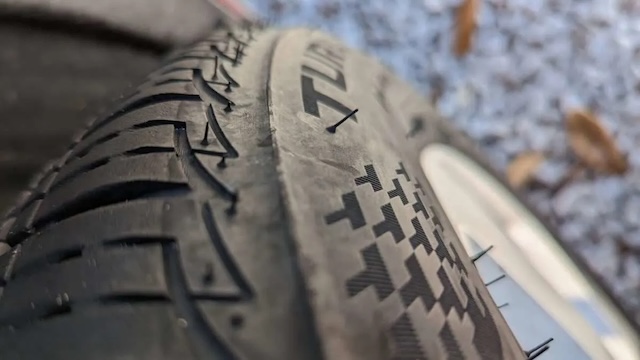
(592, 144)
(521, 169)
(465, 26)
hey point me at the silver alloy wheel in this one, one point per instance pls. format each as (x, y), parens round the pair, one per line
(544, 294)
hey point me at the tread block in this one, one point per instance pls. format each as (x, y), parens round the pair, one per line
(146, 139)
(144, 96)
(179, 74)
(108, 272)
(200, 244)
(120, 180)
(204, 63)
(134, 219)
(167, 111)
(143, 332)
(184, 91)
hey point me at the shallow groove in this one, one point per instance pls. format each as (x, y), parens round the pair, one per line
(133, 298)
(102, 162)
(138, 241)
(88, 149)
(187, 56)
(226, 75)
(58, 257)
(221, 249)
(140, 103)
(169, 70)
(142, 150)
(83, 169)
(158, 122)
(207, 344)
(209, 152)
(168, 81)
(113, 194)
(218, 297)
(198, 176)
(206, 91)
(225, 40)
(88, 146)
(64, 308)
(217, 130)
(174, 81)
(221, 53)
(56, 310)
(235, 38)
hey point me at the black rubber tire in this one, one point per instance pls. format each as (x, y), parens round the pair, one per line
(50, 82)
(216, 214)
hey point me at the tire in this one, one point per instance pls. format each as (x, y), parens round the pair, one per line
(216, 214)
(79, 73)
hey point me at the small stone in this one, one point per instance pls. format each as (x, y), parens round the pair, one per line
(569, 199)
(552, 172)
(631, 211)
(434, 6)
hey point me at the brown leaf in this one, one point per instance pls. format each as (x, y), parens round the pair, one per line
(465, 26)
(520, 171)
(592, 144)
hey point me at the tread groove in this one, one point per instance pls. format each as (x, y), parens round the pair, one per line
(227, 259)
(132, 298)
(207, 92)
(221, 53)
(83, 169)
(206, 341)
(55, 311)
(168, 70)
(196, 173)
(113, 194)
(87, 150)
(140, 103)
(159, 122)
(86, 147)
(187, 56)
(143, 150)
(138, 241)
(217, 130)
(226, 75)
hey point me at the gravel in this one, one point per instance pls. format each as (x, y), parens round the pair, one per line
(531, 62)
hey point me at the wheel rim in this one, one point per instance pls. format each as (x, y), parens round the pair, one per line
(544, 293)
